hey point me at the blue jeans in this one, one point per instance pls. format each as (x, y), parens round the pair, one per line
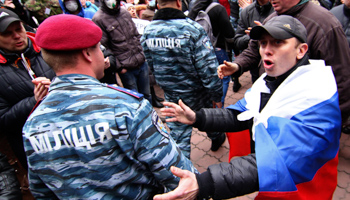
(221, 55)
(138, 80)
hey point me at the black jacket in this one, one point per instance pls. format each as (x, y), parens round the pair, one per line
(17, 92)
(9, 185)
(219, 20)
(253, 12)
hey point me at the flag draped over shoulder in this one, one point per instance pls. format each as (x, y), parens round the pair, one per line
(296, 134)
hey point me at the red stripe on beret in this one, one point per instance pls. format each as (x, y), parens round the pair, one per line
(65, 32)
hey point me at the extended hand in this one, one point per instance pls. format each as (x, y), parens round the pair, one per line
(188, 187)
(179, 113)
(227, 69)
(41, 88)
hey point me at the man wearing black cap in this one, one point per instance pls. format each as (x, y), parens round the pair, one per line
(326, 41)
(22, 79)
(294, 115)
(89, 140)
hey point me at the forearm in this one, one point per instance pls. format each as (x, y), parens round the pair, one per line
(222, 120)
(16, 115)
(228, 180)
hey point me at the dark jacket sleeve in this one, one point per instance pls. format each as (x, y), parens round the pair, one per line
(9, 185)
(228, 180)
(219, 119)
(241, 39)
(14, 116)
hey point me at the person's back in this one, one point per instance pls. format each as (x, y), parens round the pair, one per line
(222, 31)
(105, 142)
(183, 62)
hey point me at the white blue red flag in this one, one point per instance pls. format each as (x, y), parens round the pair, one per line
(296, 134)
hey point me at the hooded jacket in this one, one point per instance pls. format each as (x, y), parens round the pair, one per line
(120, 36)
(82, 12)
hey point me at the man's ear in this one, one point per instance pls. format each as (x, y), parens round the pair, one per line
(86, 54)
(179, 4)
(303, 47)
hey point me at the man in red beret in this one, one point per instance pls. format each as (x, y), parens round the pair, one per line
(89, 140)
(24, 79)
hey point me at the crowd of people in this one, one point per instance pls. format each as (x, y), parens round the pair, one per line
(77, 99)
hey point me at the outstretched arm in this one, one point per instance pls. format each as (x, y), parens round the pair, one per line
(188, 187)
(178, 113)
(227, 69)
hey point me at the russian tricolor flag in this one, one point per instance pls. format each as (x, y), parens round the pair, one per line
(296, 134)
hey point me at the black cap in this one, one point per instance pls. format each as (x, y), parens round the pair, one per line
(6, 18)
(281, 27)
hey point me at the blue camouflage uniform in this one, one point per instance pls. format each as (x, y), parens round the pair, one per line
(183, 61)
(87, 140)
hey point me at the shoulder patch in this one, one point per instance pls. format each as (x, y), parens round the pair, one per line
(207, 44)
(126, 91)
(157, 122)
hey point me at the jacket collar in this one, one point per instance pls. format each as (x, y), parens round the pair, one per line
(72, 79)
(346, 11)
(169, 13)
(264, 8)
(32, 48)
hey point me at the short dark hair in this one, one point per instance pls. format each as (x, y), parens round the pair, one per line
(58, 60)
(164, 2)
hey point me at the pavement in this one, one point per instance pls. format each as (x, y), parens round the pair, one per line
(202, 157)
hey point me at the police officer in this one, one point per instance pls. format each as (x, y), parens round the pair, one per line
(183, 61)
(88, 140)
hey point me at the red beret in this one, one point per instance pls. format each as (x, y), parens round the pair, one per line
(65, 32)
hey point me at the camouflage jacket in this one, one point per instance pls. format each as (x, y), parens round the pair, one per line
(87, 140)
(42, 9)
(182, 59)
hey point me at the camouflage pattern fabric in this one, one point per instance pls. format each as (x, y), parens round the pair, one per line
(89, 141)
(42, 9)
(183, 61)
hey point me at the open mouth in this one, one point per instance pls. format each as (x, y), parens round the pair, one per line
(267, 62)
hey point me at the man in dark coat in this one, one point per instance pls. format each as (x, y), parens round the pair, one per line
(24, 79)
